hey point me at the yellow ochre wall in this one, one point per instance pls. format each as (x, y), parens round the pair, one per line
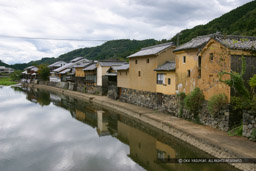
(209, 81)
(183, 82)
(79, 72)
(147, 79)
(123, 79)
(165, 88)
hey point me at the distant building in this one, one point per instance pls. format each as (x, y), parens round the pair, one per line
(79, 72)
(90, 74)
(56, 65)
(30, 73)
(67, 71)
(6, 70)
(103, 67)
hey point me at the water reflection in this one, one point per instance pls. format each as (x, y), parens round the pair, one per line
(101, 140)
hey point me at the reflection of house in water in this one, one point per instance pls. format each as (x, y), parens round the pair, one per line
(106, 124)
(55, 98)
(164, 151)
(145, 149)
(102, 124)
(86, 116)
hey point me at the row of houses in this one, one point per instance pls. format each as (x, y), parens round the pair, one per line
(85, 72)
(6, 70)
(165, 68)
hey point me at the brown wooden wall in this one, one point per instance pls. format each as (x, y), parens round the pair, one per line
(236, 65)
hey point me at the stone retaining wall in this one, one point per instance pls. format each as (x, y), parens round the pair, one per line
(171, 104)
(113, 92)
(91, 89)
(220, 120)
(140, 98)
(249, 124)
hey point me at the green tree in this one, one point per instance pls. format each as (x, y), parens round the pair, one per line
(252, 83)
(16, 75)
(43, 72)
(236, 81)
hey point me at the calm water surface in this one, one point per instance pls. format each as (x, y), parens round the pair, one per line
(44, 131)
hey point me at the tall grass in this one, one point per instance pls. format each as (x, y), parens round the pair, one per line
(6, 81)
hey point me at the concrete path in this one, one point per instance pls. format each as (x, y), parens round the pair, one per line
(213, 141)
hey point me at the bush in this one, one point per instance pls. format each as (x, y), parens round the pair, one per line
(253, 102)
(253, 135)
(252, 81)
(216, 103)
(238, 131)
(194, 101)
(181, 96)
(240, 103)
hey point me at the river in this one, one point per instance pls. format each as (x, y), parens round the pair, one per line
(43, 131)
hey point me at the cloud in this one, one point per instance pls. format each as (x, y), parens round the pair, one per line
(96, 20)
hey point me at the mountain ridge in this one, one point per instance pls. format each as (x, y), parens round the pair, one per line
(239, 21)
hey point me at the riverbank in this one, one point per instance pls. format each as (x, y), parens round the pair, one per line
(210, 140)
(6, 81)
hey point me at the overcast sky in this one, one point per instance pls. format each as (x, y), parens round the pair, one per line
(95, 20)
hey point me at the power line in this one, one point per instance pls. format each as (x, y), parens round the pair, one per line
(58, 39)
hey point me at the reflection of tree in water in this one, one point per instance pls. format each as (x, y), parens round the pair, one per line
(43, 98)
(35, 95)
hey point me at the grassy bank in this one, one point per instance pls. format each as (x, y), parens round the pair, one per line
(6, 81)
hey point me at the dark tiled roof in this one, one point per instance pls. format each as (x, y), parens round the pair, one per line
(68, 65)
(90, 67)
(123, 67)
(237, 42)
(195, 43)
(152, 50)
(81, 65)
(57, 64)
(65, 71)
(111, 63)
(29, 67)
(167, 66)
(230, 41)
(76, 59)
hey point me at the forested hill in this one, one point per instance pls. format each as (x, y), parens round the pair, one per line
(240, 21)
(115, 49)
(3, 64)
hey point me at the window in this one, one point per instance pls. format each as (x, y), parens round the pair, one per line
(136, 61)
(147, 60)
(169, 81)
(184, 59)
(199, 66)
(139, 73)
(199, 61)
(188, 73)
(160, 79)
(211, 56)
